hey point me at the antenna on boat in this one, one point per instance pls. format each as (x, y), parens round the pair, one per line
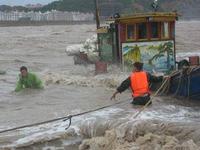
(155, 5)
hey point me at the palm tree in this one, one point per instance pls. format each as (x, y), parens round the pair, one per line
(162, 50)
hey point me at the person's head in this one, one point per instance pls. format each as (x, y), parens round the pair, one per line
(138, 66)
(24, 71)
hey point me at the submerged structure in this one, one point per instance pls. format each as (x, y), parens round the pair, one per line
(148, 38)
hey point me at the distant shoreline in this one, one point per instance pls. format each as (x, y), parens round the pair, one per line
(41, 23)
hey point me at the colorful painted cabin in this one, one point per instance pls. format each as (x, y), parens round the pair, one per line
(148, 38)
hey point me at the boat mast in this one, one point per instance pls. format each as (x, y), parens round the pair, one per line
(97, 14)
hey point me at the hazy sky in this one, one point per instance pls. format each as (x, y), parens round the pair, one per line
(24, 2)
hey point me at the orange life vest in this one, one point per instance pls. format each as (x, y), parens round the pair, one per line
(139, 83)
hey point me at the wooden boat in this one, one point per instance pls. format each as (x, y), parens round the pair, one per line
(147, 37)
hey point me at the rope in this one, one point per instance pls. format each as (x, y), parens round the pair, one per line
(156, 93)
(179, 84)
(188, 90)
(187, 72)
(147, 104)
(164, 86)
(107, 106)
(37, 124)
(83, 113)
(189, 79)
(62, 118)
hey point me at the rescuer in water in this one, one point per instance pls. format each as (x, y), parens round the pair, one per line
(138, 81)
(28, 80)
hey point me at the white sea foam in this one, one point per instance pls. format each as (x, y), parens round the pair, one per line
(88, 47)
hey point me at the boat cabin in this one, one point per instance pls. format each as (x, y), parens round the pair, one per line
(147, 38)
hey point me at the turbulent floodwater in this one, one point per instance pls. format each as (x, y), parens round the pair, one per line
(70, 89)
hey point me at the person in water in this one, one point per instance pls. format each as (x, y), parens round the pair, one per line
(138, 81)
(28, 80)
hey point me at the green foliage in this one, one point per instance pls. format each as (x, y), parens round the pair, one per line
(6, 8)
(71, 5)
(162, 49)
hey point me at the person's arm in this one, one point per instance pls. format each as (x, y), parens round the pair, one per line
(153, 78)
(37, 82)
(124, 85)
(19, 86)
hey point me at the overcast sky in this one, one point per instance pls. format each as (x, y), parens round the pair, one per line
(24, 2)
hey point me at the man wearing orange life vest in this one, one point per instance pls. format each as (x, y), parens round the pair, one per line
(138, 81)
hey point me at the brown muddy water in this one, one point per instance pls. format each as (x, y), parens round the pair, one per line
(69, 89)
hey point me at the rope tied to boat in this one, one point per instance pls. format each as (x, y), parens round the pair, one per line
(151, 99)
(164, 86)
(183, 76)
(67, 118)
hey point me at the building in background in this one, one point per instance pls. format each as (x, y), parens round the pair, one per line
(47, 16)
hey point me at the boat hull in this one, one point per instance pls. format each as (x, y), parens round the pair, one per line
(186, 84)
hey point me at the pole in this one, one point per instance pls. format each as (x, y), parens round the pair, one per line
(97, 14)
(97, 24)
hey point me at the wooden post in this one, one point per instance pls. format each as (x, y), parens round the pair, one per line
(97, 14)
(97, 23)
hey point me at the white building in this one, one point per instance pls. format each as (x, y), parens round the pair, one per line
(47, 16)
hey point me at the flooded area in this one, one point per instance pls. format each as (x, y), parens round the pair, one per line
(70, 89)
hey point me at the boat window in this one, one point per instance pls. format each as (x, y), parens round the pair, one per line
(165, 30)
(142, 31)
(154, 30)
(130, 32)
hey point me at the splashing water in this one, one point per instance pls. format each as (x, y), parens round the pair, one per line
(70, 89)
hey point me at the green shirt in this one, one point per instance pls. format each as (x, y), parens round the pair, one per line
(30, 81)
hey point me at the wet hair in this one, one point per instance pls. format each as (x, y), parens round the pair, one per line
(138, 66)
(23, 68)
